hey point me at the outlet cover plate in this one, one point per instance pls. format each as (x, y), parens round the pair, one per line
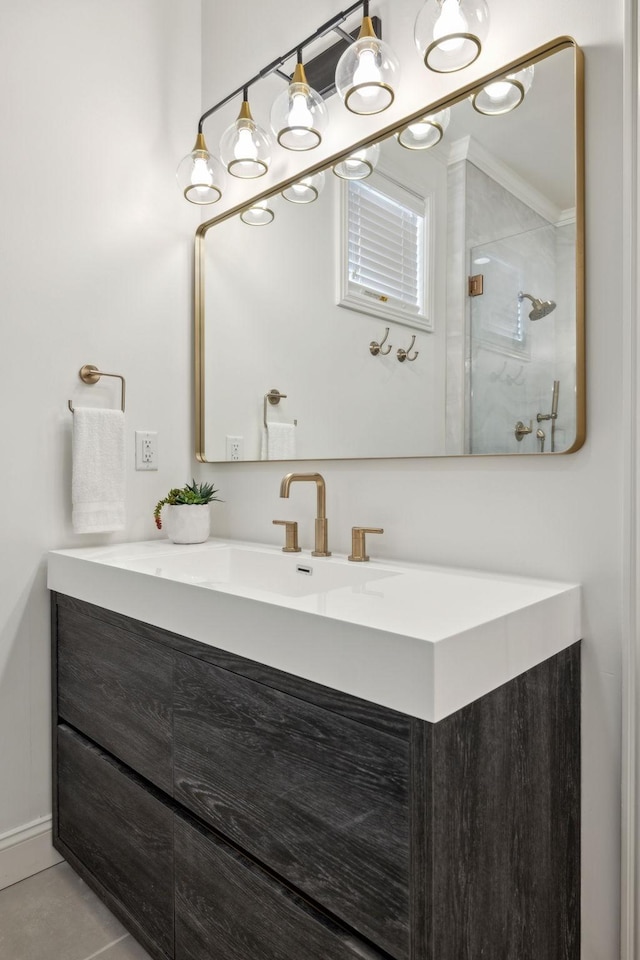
(146, 450)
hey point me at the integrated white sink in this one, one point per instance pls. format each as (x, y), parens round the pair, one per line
(252, 571)
(420, 639)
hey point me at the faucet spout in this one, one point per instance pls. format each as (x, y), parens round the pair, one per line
(318, 479)
(321, 546)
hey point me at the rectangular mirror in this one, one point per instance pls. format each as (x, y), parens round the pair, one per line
(434, 308)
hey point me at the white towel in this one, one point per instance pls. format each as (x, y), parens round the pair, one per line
(98, 481)
(279, 442)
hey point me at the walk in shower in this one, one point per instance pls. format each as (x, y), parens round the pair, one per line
(520, 335)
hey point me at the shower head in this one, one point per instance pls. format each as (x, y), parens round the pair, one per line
(541, 308)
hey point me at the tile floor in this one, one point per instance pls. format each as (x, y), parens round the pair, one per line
(55, 916)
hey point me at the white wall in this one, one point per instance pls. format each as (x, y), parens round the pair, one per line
(95, 267)
(555, 517)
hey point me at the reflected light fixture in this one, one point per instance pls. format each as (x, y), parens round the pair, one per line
(358, 165)
(366, 71)
(258, 215)
(201, 177)
(449, 33)
(504, 94)
(245, 148)
(425, 132)
(305, 190)
(299, 115)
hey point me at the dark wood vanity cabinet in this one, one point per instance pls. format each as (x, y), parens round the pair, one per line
(116, 688)
(320, 799)
(230, 908)
(226, 810)
(122, 832)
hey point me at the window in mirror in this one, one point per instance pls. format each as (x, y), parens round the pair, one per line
(386, 250)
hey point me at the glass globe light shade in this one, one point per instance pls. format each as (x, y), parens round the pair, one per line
(358, 165)
(425, 132)
(366, 72)
(259, 215)
(306, 190)
(299, 115)
(505, 94)
(200, 176)
(449, 33)
(245, 148)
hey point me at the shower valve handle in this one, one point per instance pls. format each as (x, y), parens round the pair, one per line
(522, 431)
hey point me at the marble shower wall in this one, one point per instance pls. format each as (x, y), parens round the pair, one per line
(505, 371)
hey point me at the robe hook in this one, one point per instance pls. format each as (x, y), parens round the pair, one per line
(376, 347)
(404, 354)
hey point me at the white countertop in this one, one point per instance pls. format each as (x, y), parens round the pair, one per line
(420, 639)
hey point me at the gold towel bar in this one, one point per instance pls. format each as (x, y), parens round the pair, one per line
(90, 374)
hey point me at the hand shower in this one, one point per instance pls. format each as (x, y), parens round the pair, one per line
(541, 308)
(553, 416)
(554, 400)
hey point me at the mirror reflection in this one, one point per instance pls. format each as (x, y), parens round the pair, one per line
(426, 309)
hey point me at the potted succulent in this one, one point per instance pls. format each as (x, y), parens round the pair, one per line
(187, 512)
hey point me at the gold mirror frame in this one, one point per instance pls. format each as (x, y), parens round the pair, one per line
(535, 56)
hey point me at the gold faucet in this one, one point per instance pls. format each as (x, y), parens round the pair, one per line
(322, 545)
(358, 546)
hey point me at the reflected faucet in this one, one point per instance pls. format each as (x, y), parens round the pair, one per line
(322, 546)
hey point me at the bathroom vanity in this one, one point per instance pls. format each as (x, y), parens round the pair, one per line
(250, 763)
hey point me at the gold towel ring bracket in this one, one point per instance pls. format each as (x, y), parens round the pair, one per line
(90, 374)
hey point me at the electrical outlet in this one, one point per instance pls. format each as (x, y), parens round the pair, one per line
(235, 448)
(146, 450)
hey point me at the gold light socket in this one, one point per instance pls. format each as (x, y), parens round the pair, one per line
(245, 111)
(366, 29)
(299, 76)
(200, 144)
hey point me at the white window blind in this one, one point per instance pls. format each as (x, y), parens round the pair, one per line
(385, 249)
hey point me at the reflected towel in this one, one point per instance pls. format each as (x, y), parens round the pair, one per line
(279, 442)
(98, 480)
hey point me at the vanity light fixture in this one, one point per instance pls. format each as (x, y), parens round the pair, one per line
(505, 94)
(366, 71)
(201, 177)
(358, 165)
(299, 114)
(306, 190)
(245, 148)
(258, 215)
(425, 132)
(449, 33)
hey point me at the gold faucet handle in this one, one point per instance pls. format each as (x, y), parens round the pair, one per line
(358, 546)
(291, 535)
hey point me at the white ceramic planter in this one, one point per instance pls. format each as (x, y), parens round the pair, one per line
(187, 523)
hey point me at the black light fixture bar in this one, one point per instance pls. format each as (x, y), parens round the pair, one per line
(327, 56)
(321, 71)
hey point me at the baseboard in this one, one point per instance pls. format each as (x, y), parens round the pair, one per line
(25, 851)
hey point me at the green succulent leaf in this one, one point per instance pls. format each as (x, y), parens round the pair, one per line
(191, 493)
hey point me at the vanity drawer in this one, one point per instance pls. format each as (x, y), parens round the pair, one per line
(228, 907)
(117, 689)
(122, 834)
(319, 798)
